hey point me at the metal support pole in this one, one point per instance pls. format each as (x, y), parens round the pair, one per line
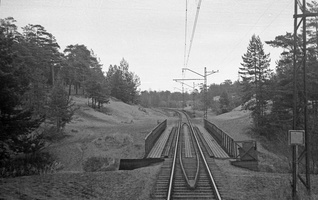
(193, 105)
(182, 97)
(294, 149)
(295, 171)
(205, 95)
(306, 153)
(306, 99)
(295, 71)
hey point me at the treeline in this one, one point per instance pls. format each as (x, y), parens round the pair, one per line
(83, 70)
(221, 98)
(224, 97)
(36, 78)
(270, 95)
(165, 99)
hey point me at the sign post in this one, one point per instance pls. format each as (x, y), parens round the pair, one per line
(295, 138)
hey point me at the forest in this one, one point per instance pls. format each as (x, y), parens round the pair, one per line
(37, 79)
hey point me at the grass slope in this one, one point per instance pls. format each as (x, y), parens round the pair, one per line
(274, 179)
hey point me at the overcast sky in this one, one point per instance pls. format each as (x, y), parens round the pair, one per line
(150, 34)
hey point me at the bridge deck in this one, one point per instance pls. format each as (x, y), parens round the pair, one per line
(157, 149)
(213, 145)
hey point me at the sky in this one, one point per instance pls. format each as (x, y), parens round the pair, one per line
(152, 36)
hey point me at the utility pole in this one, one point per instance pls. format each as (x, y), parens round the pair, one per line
(182, 97)
(193, 91)
(205, 75)
(180, 81)
(303, 57)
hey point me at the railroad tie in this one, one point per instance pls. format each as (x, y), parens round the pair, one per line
(187, 143)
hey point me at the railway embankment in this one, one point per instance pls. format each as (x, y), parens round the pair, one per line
(114, 133)
(118, 133)
(273, 180)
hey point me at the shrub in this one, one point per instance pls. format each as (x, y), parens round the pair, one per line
(29, 164)
(94, 164)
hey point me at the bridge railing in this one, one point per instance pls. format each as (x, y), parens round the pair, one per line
(153, 136)
(240, 150)
(223, 139)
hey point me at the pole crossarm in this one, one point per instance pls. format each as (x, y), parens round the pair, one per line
(306, 15)
(187, 85)
(212, 72)
(185, 79)
(205, 75)
(192, 71)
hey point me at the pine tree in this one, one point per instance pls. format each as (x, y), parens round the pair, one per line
(16, 122)
(77, 65)
(255, 74)
(122, 82)
(224, 102)
(38, 57)
(60, 107)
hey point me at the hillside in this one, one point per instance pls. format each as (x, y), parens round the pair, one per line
(118, 132)
(237, 124)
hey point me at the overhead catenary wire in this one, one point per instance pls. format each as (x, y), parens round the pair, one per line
(225, 59)
(185, 49)
(284, 8)
(193, 30)
(185, 37)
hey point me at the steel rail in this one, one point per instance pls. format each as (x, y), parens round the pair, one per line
(217, 194)
(174, 161)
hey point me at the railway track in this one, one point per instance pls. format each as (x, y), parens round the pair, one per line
(186, 173)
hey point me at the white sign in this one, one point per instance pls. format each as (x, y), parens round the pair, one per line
(296, 137)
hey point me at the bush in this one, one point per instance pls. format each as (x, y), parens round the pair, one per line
(94, 164)
(25, 165)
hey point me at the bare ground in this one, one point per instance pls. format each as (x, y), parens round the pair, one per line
(119, 132)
